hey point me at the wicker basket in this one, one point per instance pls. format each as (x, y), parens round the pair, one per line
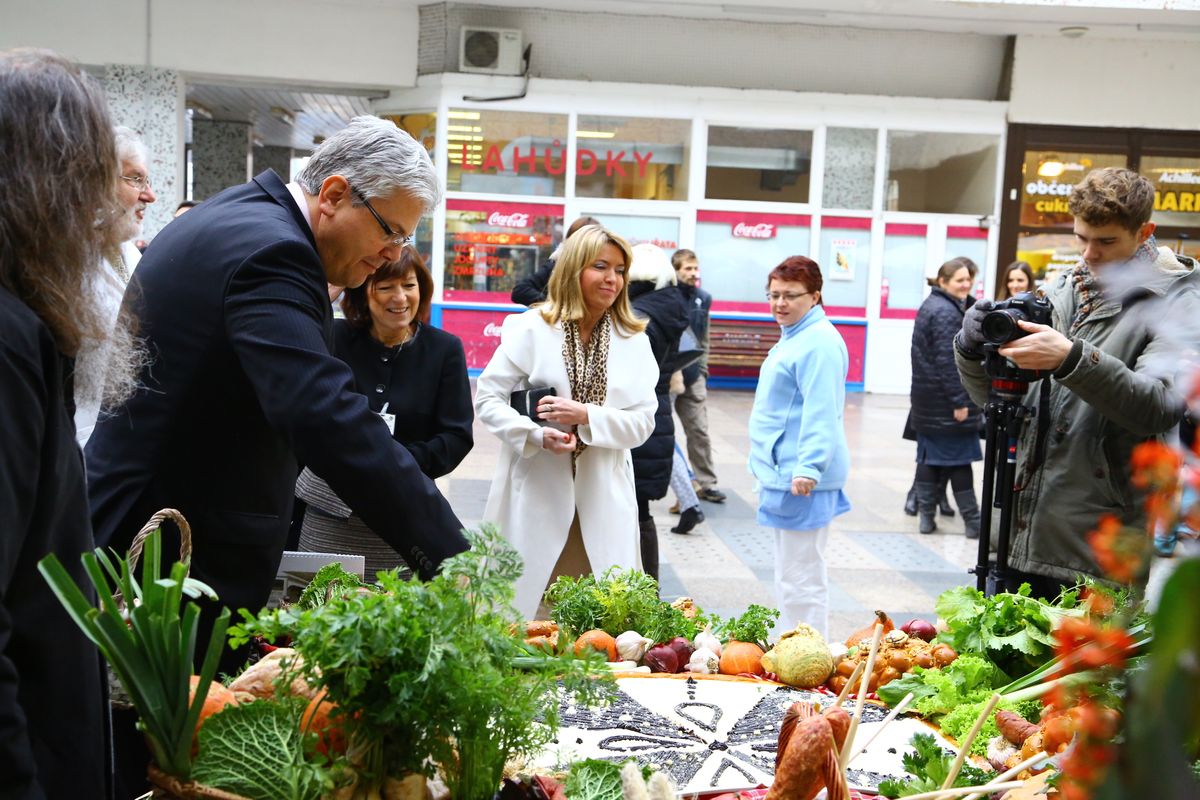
(168, 787)
(116, 692)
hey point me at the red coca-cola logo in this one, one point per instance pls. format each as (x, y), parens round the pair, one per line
(763, 230)
(491, 329)
(513, 220)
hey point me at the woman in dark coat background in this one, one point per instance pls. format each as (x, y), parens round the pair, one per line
(415, 376)
(654, 296)
(945, 420)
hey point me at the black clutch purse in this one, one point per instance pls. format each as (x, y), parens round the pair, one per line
(525, 401)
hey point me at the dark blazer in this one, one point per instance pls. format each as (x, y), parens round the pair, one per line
(936, 388)
(666, 313)
(232, 299)
(53, 725)
(533, 289)
(424, 383)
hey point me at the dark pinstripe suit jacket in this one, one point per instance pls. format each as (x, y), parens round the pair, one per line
(231, 297)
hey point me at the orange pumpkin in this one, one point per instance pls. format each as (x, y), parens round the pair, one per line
(597, 640)
(218, 698)
(741, 657)
(868, 633)
(319, 718)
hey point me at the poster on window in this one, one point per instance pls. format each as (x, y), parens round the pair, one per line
(842, 254)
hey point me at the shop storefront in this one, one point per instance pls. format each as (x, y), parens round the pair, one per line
(1044, 162)
(879, 198)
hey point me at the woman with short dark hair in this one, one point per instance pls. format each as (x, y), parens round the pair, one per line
(798, 448)
(414, 376)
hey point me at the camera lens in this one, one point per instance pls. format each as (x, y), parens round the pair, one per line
(999, 327)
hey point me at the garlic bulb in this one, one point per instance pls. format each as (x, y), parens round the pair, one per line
(631, 646)
(705, 640)
(704, 662)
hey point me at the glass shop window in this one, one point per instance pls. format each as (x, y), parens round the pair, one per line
(506, 152)
(758, 164)
(942, 173)
(633, 158)
(492, 245)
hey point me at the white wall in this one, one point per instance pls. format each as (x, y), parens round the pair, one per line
(622, 48)
(359, 43)
(1105, 82)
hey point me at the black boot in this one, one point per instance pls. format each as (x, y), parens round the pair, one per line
(943, 500)
(649, 536)
(688, 519)
(926, 506)
(970, 512)
(910, 502)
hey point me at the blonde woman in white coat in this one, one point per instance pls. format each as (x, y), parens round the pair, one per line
(563, 491)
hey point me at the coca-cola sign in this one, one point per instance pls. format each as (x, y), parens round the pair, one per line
(763, 230)
(491, 329)
(516, 219)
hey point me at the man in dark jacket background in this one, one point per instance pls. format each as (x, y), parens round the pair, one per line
(691, 405)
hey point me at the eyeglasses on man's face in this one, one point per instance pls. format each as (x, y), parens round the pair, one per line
(790, 297)
(139, 182)
(398, 238)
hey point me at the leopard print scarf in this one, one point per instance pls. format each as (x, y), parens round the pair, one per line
(587, 369)
(1088, 289)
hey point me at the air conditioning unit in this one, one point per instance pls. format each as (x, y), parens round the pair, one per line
(492, 51)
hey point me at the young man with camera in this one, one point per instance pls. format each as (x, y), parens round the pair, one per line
(1118, 356)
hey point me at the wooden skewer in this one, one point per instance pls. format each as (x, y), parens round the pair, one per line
(841, 698)
(895, 712)
(940, 794)
(1026, 764)
(862, 695)
(964, 746)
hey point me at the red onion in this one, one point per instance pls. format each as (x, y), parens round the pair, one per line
(661, 658)
(920, 628)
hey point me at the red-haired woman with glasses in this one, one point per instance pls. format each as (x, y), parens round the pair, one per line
(798, 448)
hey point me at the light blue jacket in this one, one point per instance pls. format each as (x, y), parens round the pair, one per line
(796, 428)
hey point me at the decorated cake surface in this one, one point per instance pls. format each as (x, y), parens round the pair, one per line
(715, 735)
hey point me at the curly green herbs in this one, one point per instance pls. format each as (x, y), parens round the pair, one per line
(431, 674)
(929, 767)
(618, 601)
(753, 626)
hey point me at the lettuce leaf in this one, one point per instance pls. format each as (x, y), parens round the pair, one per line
(968, 679)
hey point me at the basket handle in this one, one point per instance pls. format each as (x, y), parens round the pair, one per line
(153, 524)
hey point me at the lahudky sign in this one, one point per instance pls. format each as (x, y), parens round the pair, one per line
(587, 162)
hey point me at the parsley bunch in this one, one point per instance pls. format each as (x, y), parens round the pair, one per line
(929, 766)
(619, 600)
(752, 626)
(431, 674)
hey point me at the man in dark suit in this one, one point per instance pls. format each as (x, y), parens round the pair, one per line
(232, 300)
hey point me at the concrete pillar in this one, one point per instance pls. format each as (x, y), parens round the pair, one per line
(276, 158)
(220, 156)
(152, 101)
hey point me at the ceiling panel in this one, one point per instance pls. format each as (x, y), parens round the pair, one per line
(314, 114)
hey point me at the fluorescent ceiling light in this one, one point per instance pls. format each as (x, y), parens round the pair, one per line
(594, 134)
(466, 128)
(462, 114)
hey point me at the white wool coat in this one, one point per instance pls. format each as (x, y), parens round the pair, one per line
(533, 498)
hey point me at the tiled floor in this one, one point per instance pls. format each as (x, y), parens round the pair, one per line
(876, 557)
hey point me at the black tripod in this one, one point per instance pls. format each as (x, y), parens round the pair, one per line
(1003, 415)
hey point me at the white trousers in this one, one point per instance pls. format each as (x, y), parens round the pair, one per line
(801, 580)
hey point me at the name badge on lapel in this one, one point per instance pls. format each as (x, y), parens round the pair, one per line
(388, 419)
